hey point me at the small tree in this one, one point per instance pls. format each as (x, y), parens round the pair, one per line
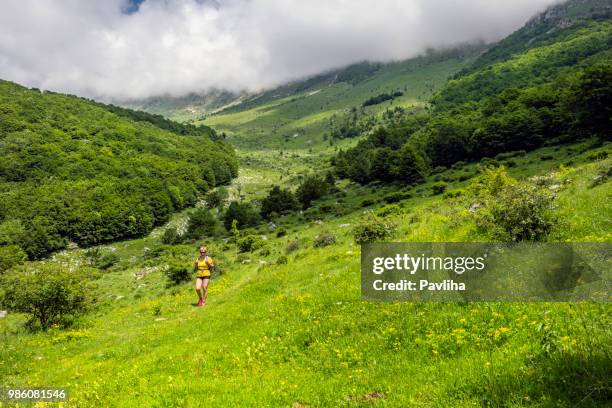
(312, 188)
(244, 214)
(202, 223)
(279, 201)
(48, 294)
(216, 197)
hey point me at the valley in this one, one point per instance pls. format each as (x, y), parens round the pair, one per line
(451, 146)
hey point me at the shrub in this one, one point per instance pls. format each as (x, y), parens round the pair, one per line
(171, 236)
(265, 251)
(216, 198)
(107, 260)
(491, 182)
(453, 194)
(10, 256)
(439, 187)
(281, 232)
(397, 197)
(101, 259)
(388, 210)
(367, 202)
(372, 229)
(324, 239)
(282, 260)
(178, 274)
(511, 163)
(48, 294)
(249, 243)
(292, 246)
(518, 212)
(598, 155)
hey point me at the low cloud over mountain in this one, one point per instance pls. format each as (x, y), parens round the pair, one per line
(119, 49)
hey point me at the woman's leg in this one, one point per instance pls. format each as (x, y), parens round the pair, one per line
(205, 288)
(198, 288)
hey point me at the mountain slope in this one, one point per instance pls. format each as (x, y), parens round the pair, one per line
(187, 107)
(72, 170)
(520, 95)
(301, 114)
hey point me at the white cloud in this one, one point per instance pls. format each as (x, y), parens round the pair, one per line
(175, 47)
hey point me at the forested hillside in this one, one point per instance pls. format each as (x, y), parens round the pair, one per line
(525, 92)
(77, 171)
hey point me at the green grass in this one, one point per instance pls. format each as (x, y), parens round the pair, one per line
(285, 335)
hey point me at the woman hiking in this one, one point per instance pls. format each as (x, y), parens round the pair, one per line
(203, 267)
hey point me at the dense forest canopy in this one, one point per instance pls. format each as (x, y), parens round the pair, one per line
(519, 95)
(78, 171)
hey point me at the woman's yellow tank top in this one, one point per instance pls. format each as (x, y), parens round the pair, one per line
(203, 270)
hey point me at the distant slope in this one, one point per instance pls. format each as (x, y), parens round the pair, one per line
(194, 105)
(548, 83)
(300, 114)
(545, 28)
(72, 170)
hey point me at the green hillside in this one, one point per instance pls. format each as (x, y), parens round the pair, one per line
(300, 115)
(185, 108)
(504, 144)
(78, 171)
(285, 325)
(555, 90)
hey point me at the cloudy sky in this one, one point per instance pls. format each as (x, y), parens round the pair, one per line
(133, 48)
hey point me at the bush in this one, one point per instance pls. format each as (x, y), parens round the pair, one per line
(598, 155)
(372, 229)
(281, 232)
(324, 239)
(292, 246)
(282, 260)
(215, 198)
(453, 194)
(439, 187)
(48, 294)
(10, 256)
(388, 210)
(249, 243)
(107, 260)
(265, 251)
(101, 259)
(396, 197)
(367, 202)
(171, 236)
(178, 274)
(518, 212)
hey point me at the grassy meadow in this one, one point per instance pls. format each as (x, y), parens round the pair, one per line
(285, 325)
